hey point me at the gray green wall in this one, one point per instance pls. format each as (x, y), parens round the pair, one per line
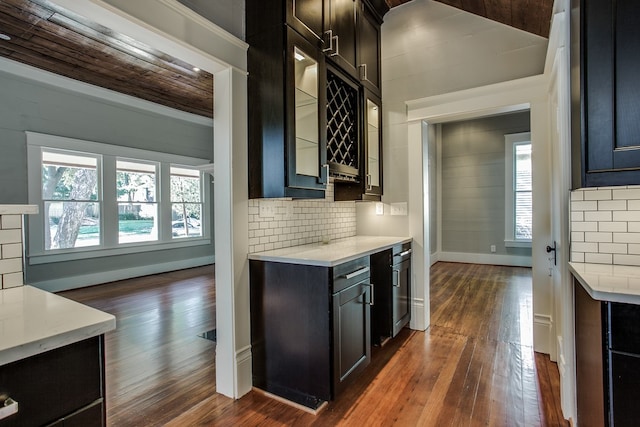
(473, 184)
(28, 105)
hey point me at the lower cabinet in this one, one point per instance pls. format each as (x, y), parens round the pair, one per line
(61, 387)
(607, 361)
(391, 276)
(310, 328)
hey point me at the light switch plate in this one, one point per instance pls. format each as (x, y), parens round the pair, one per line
(267, 209)
(399, 209)
(379, 208)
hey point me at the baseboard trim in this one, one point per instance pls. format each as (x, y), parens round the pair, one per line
(542, 325)
(434, 257)
(243, 363)
(417, 321)
(288, 402)
(491, 259)
(74, 282)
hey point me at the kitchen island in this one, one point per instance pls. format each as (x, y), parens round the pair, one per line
(51, 359)
(311, 310)
(607, 340)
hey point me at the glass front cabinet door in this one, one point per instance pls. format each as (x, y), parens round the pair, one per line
(373, 141)
(306, 140)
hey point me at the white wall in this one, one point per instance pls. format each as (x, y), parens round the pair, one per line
(228, 14)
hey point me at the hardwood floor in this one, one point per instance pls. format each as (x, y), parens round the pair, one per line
(474, 366)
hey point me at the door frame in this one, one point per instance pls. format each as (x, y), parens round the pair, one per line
(517, 95)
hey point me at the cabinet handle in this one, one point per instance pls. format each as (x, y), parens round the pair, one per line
(328, 33)
(9, 408)
(407, 252)
(357, 273)
(369, 186)
(336, 52)
(397, 282)
(325, 179)
(371, 298)
(363, 72)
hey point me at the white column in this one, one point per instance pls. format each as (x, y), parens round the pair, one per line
(233, 354)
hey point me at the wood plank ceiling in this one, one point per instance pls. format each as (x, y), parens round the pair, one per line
(532, 16)
(49, 37)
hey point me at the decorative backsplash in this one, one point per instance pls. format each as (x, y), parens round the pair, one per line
(284, 222)
(605, 225)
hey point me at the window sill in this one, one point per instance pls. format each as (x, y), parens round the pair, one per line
(87, 253)
(518, 243)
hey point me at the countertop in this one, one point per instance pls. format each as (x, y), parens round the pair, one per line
(330, 254)
(33, 321)
(603, 282)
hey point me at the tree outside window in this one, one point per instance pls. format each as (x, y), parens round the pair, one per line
(137, 201)
(71, 197)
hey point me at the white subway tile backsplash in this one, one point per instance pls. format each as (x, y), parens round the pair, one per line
(598, 258)
(10, 265)
(577, 195)
(577, 216)
(626, 259)
(629, 193)
(598, 237)
(12, 280)
(612, 205)
(633, 249)
(590, 205)
(10, 236)
(584, 226)
(634, 227)
(597, 195)
(577, 236)
(626, 216)
(598, 216)
(620, 227)
(633, 205)
(585, 247)
(577, 256)
(613, 248)
(626, 237)
(11, 222)
(11, 250)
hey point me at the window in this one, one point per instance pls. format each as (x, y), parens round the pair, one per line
(137, 207)
(71, 199)
(100, 200)
(186, 202)
(518, 190)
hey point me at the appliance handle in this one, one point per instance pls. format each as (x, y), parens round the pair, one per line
(405, 253)
(357, 273)
(9, 408)
(371, 298)
(397, 283)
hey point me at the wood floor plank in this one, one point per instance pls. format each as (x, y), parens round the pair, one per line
(475, 365)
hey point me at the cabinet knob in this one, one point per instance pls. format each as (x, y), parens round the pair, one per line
(9, 408)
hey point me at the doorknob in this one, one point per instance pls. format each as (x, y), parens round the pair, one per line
(553, 249)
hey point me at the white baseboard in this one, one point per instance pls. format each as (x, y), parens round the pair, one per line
(542, 341)
(245, 378)
(418, 316)
(492, 259)
(73, 282)
(434, 257)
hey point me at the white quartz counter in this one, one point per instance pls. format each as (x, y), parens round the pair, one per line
(33, 321)
(330, 254)
(616, 283)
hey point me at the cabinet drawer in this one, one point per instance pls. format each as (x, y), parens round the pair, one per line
(624, 327)
(350, 273)
(53, 385)
(401, 253)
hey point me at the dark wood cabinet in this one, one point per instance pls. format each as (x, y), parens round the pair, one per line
(287, 118)
(63, 387)
(606, 103)
(369, 48)
(391, 277)
(307, 18)
(607, 361)
(310, 328)
(341, 37)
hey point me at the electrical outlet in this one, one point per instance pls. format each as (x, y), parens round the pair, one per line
(399, 209)
(267, 209)
(493, 249)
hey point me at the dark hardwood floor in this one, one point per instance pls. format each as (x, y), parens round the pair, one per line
(474, 366)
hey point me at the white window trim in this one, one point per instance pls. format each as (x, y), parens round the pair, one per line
(509, 181)
(109, 153)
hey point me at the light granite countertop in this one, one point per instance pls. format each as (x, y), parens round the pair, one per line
(603, 282)
(33, 321)
(330, 254)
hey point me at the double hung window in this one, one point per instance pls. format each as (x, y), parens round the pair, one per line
(518, 190)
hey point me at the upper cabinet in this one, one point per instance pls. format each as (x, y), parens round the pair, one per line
(309, 64)
(606, 102)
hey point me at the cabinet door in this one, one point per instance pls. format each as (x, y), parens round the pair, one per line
(352, 333)
(307, 18)
(306, 139)
(340, 35)
(373, 144)
(369, 50)
(625, 382)
(401, 295)
(610, 92)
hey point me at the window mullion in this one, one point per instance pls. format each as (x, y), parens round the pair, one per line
(109, 203)
(164, 205)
